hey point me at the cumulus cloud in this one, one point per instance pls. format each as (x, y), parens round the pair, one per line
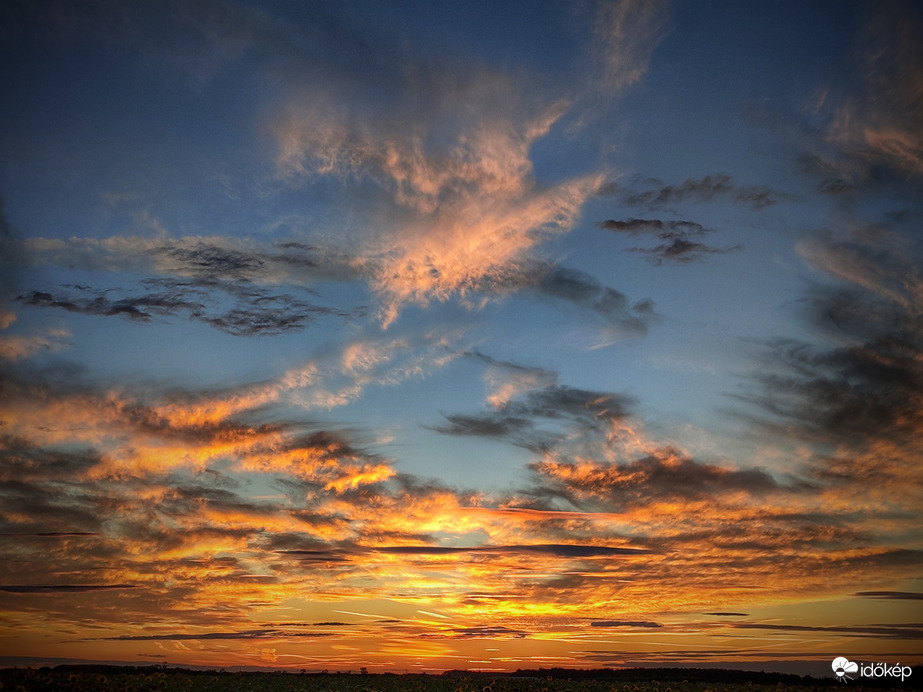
(678, 247)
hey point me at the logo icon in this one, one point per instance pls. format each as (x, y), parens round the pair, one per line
(842, 666)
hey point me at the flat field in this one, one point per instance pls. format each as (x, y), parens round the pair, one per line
(174, 680)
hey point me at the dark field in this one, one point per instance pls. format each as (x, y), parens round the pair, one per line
(127, 679)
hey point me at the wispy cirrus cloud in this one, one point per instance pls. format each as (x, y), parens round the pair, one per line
(469, 209)
(459, 212)
(884, 127)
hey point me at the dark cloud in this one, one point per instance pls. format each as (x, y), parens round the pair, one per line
(727, 615)
(677, 248)
(326, 557)
(578, 288)
(664, 475)
(665, 229)
(23, 460)
(215, 262)
(583, 290)
(704, 189)
(519, 420)
(50, 534)
(257, 312)
(558, 550)
(64, 588)
(857, 394)
(322, 556)
(183, 500)
(896, 631)
(624, 623)
(243, 634)
(485, 425)
(44, 506)
(488, 632)
(891, 595)
(681, 251)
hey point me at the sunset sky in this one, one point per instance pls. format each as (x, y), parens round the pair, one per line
(485, 335)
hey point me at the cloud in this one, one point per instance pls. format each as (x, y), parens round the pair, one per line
(63, 588)
(558, 550)
(705, 189)
(486, 425)
(897, 631)
(891, 595)
(624, 35)
(664, 229)
(11, 259)
(856, 396)
(488, 632)
(454, 210)
(458, 210)
(679, 248)
(15, 348)
(197, 278)
(625, 623)
(205, 636)
(870, 140)
(583, 290)
(681, 251)
(524, 421)
(884, 128)
(50, 534)
(508, 380)
(666, 474)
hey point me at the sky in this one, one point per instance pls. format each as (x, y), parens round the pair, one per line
(419, 336)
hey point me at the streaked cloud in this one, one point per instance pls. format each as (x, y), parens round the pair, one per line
(62, 588)
(678, 248)
(892, 595)
(884, 126)
(625, 623)
(709, 188)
